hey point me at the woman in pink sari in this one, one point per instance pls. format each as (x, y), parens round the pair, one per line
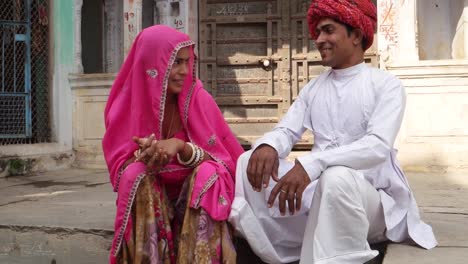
(171, 157)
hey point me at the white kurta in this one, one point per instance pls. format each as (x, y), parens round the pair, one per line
(355, 115)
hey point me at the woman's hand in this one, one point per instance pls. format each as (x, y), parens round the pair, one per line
(158, 152)
(144, 142)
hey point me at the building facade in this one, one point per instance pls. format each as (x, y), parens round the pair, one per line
(254, 57)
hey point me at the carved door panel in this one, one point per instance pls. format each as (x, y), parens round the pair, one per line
(255, 56)
(244, 60)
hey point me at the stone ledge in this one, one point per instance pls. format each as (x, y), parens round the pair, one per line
(31, 158)
(397, 254)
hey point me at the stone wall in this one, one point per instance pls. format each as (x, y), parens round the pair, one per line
(434, 133)
(90, 92)
(414, 47)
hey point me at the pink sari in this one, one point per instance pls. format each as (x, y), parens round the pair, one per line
(136, 108)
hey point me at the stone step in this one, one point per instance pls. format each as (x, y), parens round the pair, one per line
(67, 217)
(56, 217)
(442, 200)
(42, 245)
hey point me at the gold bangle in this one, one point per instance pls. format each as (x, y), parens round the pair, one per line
(192, 157)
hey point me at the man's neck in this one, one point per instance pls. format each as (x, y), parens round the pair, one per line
(348, 65)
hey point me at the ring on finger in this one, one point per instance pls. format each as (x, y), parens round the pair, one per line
(283, 191)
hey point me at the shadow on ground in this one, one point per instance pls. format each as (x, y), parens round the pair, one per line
(245, 255)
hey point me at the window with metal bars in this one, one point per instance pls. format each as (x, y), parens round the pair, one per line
(24, 78)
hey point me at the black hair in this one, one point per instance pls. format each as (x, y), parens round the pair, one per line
(350, 29)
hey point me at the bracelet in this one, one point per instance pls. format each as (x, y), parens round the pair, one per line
(192, 157)
(200, 156)
(195, 159)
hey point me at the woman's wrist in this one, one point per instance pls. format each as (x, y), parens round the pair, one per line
(180, 145)
(192, 155)
(185, 151)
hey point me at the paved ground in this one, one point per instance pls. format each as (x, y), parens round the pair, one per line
(442, 199)
(67, 217)
(56, 217)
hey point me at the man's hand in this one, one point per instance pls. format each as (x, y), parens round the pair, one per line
(290, 188)
(263, 163)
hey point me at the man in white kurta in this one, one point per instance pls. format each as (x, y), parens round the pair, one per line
(349, 191)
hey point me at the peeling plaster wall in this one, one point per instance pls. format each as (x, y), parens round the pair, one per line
(132, 22)
(63, 54)
(387, 30)
(460, 39)
(434, 134)
(179, 14)
(423, 43)
(435, 29)
(114, 36)
(440, 29)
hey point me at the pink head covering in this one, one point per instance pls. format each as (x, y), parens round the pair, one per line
(136, 102)
(136, 108)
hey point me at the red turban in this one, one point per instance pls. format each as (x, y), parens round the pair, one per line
(360, 14)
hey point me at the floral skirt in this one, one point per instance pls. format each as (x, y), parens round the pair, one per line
(170, 232)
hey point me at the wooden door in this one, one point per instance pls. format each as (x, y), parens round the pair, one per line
(237, 40)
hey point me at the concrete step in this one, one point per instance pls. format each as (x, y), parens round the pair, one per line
(57, 217)
(442, 200)
(42, 245)
(67, 217)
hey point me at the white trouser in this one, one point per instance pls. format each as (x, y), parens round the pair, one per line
(345, 213)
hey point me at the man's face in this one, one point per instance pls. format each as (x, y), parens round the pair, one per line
(335, 44)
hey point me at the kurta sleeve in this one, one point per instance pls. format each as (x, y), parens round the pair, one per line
(375, 146)
(291, 127)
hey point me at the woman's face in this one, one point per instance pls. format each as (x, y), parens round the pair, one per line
(179, 71)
